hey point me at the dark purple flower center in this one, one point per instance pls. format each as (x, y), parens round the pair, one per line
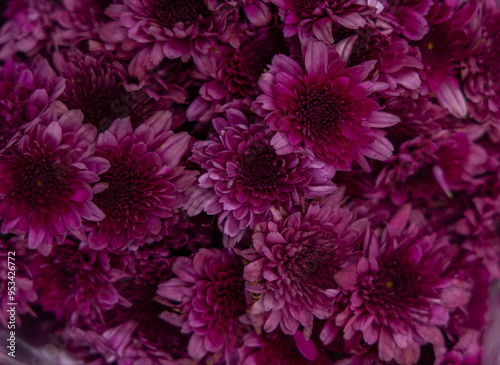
(171, 12)
(320, 113)
(392, 284)
(306, 6)
(39, 183)
(259, 168)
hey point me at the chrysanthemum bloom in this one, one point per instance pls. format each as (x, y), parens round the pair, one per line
(319, 16)
(209, 294)
(397, 61)
(16, 277)
(145, 185)
(28, 28)
(400, 293)
(424, 167)
(24, 92)
(257, 12)
(143, 308)
(419, 117)
(239, 69)
(451, 36)
(97, 85)
(325, 108)
(150, 30)
(406, 17)
(79, 22)
(481, 78)
(245, 176)
(76, 284)
(45, 181)
(292, 262)
(280, 349)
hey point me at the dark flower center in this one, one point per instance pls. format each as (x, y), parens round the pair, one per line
(321, 113)
(306, 6)
(39, 183)
(434, 47)
(393, 284)
(171, 12)
(259, 168)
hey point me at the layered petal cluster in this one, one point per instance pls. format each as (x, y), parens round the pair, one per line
(140, 314)
(28, 28)
(45, 181)
(25, 91)
(481, 78)
(99, 86)
(79, 22)
(425, 167)
(452, 35)
(400, 292)
(208, 294)
(145, 184)
(280, 349)
(245, 177)
(397, 61)
(325, 107)
(76, 283)
(318, 17)
(292, 262)
(156, 29)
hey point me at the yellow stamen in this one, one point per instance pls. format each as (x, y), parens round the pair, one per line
(389, 284)
(430, 46)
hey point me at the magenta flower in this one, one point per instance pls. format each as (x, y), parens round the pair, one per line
(480, 77)
(292, 262)
(155, 30)
(24, 93)
(13, 255)
(280, 349)
(153, 338)
(145, 184)
(76, 284)
(97, 84)
(406, 16)
(449, 41)
(209, 294)
(397, 61)
(245, 177)
(318, 17)
(400, 293)
(80, 21)
(325, 108)
(28, 28)
(45, 181)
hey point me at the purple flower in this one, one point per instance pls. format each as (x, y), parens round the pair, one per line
(13, 254)
(397, 61)
(399, 291)
(317, 17)
(448, 42)
(144, 185)
(45, 182)
(28, 28)
(80, 21)
(481, 79)
(24, 93)
(98, 85)
(77, 283)
(406, 16)
(209, 294)
(156, 29)
(325, 108)
(154, 338)
(245, 176)
(292, 262)
(280, 349)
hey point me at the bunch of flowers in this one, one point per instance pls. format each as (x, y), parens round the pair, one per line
(250, 182)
